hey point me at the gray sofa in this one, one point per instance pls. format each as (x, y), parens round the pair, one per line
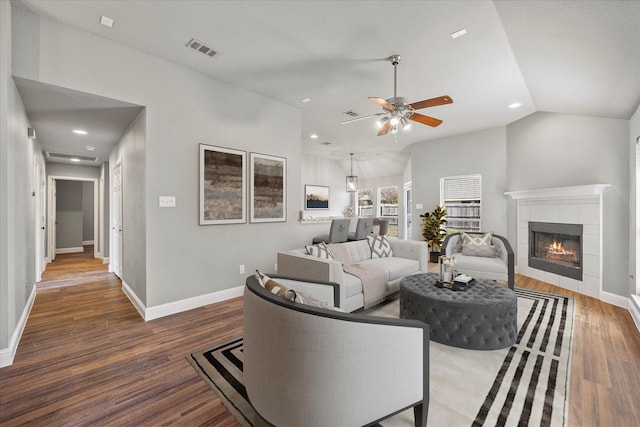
(500, 267)
(315, 367)
(409, 257)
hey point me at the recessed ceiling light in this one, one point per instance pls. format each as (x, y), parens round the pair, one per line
(461, 32)
(106, 21)
(80, 132)
(305, 100)
(89, 147)
(515, 105)
(313, 136)
(73, 159)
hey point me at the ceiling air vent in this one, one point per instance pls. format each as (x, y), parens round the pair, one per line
(70, 156)
(351, 113)
(201, 47)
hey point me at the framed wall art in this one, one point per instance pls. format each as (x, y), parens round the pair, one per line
(268, 188)
(316, 197)
(223, 186)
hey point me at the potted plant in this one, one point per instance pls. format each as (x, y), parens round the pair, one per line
(433, 230)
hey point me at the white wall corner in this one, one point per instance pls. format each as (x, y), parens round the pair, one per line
(174, 307)
(7, 354)
(137, 303)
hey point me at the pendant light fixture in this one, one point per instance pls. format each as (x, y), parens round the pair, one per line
(352, 180)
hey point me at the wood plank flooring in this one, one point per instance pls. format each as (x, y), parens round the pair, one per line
(87, 358)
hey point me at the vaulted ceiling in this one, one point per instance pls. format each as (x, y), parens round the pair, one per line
(576, 57)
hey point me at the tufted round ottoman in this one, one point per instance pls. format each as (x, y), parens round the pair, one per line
(481, 318)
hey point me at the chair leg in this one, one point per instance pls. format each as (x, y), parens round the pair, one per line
(420, 415)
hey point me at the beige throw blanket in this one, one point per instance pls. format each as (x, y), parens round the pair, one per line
(374, 279)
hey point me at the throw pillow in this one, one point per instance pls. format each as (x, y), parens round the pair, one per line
(476, 239)
(276, 288)
(487, 251)
(321, 250)
(380, 246)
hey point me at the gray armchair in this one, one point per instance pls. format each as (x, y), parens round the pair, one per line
(315, 367)
(500, 267)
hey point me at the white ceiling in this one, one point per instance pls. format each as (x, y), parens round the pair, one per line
(576, 57)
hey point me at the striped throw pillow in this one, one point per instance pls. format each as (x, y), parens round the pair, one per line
(321, 250)
(380, 246)
(276, 288)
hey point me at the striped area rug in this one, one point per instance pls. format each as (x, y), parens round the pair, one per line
(524, 385)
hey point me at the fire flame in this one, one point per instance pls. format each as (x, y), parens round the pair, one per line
(558, 249)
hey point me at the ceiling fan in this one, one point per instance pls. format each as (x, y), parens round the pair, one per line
(397, 111)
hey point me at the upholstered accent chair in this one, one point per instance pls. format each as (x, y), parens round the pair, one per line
(494, 263)
(383, 223)
(363, 229)
(338, 232)
(316, 367)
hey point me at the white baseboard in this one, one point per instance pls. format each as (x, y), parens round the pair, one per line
(614, 299)
(69, 250)
(87, 242)
(7, 354)
(162, 310)
(133, 298)
(634, 309)
(105, 260)
(174, 307)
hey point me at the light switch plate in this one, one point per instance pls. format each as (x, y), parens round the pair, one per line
(167, 201)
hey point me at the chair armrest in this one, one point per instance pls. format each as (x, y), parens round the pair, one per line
(411, 249)
(507, 255)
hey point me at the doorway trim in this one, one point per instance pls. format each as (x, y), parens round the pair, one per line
(97, 206)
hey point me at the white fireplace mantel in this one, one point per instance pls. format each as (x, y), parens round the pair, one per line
(559, 192)
(580, 204)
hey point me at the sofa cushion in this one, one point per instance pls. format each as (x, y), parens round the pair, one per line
(395, 267)
(487, 251)
(321, 250)
(358, 250)
(352, 285)
(380, 246)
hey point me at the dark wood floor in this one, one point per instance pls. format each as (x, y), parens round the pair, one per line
(87, 358)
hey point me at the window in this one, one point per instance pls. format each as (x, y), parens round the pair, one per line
(461, 196)
(388, 208)
(365, 202)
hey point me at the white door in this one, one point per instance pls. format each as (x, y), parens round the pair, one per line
(407, 213)
(116, 223)
(51, 208)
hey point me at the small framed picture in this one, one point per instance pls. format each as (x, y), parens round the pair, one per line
(223, 186)
(268, 199)
(316, 197)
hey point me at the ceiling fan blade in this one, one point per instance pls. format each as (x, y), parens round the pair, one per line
(425, 120)
(384, 129)
(361, 118)
(441, 100)
(383, 102)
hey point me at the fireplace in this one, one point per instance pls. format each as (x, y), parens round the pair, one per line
(556, 248)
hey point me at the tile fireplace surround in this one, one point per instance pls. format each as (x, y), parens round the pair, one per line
(568, 205)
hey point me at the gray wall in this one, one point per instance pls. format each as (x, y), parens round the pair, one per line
(634, 165)
(557, 150)
(69, 215)
(75, 171)
(17, 210)
(483, 152)
(105, 194)
(183, 109)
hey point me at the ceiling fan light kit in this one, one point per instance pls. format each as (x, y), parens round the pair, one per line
(397, 111)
